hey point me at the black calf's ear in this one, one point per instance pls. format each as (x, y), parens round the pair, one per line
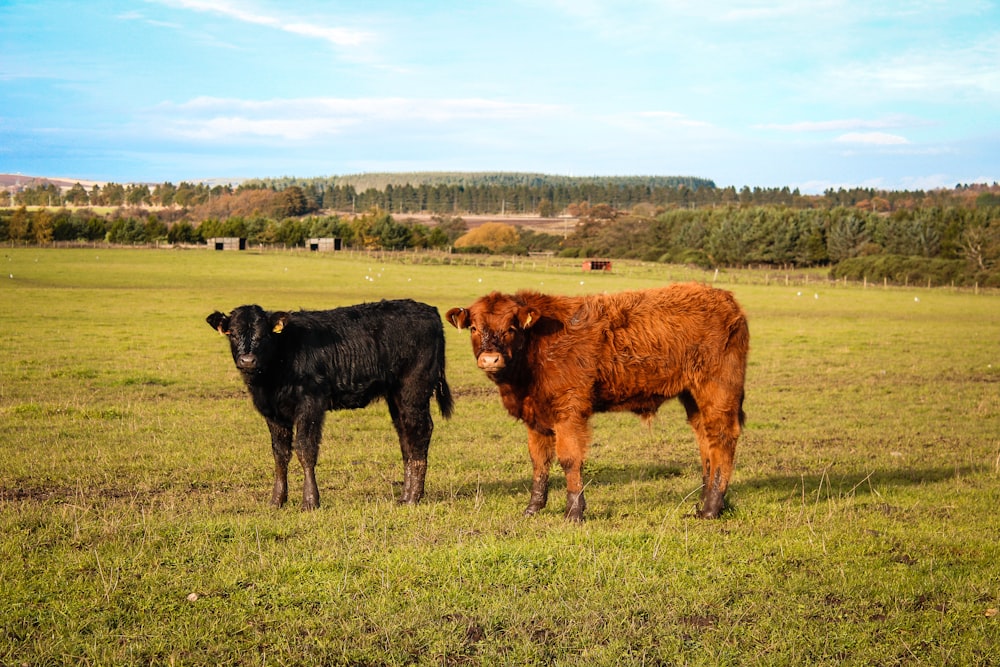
(459, 317)
(278, 322)
(219, 322)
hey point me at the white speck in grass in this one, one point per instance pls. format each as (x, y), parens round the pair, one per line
(193, 597)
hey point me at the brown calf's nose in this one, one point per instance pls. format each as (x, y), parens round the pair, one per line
(490, 361)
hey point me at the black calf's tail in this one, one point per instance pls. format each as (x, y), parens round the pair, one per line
(443, 394)
(441, 390)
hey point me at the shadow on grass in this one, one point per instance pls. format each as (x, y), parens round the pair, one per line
(849, 483)
(824, 484)
(856, 482)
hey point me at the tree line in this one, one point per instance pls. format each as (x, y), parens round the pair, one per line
(943, 245)
(373, 230)
(939, 236)
(448, 193)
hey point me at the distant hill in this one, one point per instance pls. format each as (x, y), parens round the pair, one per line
(379, 180)
(506, 179)
(25, 181)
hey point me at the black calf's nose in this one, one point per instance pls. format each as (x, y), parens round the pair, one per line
(246, 362)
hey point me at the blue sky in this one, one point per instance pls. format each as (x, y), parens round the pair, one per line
(837, 93)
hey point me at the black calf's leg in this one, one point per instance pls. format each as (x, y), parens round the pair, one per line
(308, 433)
(414, 473)
(281, 447)
(414, 427)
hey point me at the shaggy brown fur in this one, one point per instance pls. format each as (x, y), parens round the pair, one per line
(557, 360)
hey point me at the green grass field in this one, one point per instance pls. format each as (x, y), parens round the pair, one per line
(135, 475)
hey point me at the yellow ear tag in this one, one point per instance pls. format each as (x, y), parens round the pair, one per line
(528, 321)
(278, 327)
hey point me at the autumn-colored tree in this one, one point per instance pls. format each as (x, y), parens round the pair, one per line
(295, 201)
(185, 195)
(113, 194)
(17, 226)
(41, 227)
(602, 212)
(366, 228)
(136, 195)
(451, 226)
(77, 196)
(493, 235)
(163, 194)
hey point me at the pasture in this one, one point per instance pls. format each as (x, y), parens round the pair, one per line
(134, 526)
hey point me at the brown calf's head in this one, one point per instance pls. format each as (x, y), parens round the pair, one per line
(497, 324)
(252, 332)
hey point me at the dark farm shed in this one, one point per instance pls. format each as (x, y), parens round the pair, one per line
(597, 265)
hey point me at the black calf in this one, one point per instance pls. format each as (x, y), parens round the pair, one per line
(298, 365)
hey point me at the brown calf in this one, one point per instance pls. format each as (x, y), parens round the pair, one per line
(557, 360)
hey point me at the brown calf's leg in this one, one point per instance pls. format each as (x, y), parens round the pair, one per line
(281, 447)
(541, 448)
(572, 437)
(721, 451)
(717, 432)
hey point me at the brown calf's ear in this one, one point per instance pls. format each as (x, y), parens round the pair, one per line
(527, 317)
(278, 322)
(459, 317)
(219, 322)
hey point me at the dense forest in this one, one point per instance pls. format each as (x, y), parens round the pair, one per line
(942, 236)
(514, 193)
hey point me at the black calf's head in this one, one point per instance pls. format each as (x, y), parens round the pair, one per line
(252, 333)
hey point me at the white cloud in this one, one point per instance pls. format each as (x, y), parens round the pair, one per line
(227, 128)
(651, 123)
(945, 72)
(872, 138)
(844, 124)
(304, 119)
(671, 118)
(334, 35)
(929, 182)
(137, 16)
